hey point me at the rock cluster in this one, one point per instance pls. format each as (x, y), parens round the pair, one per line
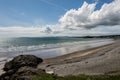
(22, 67)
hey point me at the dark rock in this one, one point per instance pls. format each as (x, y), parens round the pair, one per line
(9, 73)
(48, 65)
(86, 62)
(6, 76)
(22, 60)
(22, 67)
(23, 73)
(26, 73)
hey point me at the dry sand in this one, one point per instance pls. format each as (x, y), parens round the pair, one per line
(95, 61)
(100, 60)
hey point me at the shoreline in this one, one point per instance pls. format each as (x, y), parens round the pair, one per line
(1, 71)
(77, 53)
(60, 49)
(94, 61)
(67, 58)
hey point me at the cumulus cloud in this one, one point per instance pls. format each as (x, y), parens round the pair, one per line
(104, 21)
(86, 16)
(31, 31)
(15, 31)
(42, 31)
(46, 30)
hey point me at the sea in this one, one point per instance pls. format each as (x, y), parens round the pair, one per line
(46, 47)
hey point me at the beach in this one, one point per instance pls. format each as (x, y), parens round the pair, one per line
(90, 58)
(95, 61)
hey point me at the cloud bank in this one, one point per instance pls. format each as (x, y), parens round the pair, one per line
(83, 21)
(86, 16)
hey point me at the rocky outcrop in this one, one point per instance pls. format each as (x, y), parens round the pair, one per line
(23, 73)
(22, 67)
(22, 60)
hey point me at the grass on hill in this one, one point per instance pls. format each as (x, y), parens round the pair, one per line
(45, 76)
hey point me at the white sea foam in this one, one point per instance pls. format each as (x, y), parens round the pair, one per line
(47, 46)
(52, 50)
(3, 60)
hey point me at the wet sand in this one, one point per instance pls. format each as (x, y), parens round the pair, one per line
(1, 71)
(100, 60)
(96, 61)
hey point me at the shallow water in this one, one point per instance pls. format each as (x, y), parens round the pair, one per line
(46, 47)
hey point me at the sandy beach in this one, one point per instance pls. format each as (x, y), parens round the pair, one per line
(95, 61)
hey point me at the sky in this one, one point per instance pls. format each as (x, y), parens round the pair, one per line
(39, 18)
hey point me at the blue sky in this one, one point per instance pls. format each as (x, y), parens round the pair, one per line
(37, 12)
(26, 15)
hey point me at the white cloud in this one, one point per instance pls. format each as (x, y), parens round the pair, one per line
(54, 31)
(46, 30)
(88, 17)
(19, 31)
(81, 22)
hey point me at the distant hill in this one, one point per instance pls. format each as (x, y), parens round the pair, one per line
(104, 36)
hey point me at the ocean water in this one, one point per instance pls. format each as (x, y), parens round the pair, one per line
(46, 47)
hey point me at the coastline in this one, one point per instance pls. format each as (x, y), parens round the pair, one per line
(95, 61)
(64, 60)
(1, 71)
(52, 50)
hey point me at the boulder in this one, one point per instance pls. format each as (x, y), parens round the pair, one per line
(22, 67)
(23, 73)
(21, 61)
